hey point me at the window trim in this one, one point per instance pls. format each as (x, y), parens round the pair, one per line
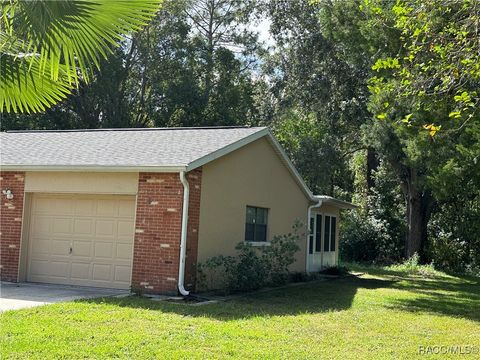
(255, 242)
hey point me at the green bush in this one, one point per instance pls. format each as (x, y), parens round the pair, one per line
(367, 239)
(253, 267)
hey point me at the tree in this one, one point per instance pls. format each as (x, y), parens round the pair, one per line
(319, 92)
(398, 83)
(221, 24)
(157, 78)
(424, 96)
(48, 47)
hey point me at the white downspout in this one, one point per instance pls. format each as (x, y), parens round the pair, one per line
(309, 214)
(183, 238)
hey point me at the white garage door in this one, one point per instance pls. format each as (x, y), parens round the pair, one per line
(81, 240)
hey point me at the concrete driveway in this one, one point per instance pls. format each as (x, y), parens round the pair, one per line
(25, 295)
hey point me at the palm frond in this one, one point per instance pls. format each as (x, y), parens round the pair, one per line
(61, 41)
(23, 87)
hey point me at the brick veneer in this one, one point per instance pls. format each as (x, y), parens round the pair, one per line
(11, 212)
(158, 230)
(195, 183)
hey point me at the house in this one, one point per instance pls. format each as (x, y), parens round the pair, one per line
(123, 208)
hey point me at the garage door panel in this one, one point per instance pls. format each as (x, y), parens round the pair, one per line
(83, 226)
(42, 205)
(59, 269)
(98, 228)
(103, 250)
(85, 207)
(82, 248)
(126, 208)
(125, 229)
(41, 225)
(123, 251)
(40, 267)
(62, 226)
(104, 228)
(122, 273)
(107, 208)
(64, 206)
(60, 247)
(80, 270)
(41, 245)
(102, 272)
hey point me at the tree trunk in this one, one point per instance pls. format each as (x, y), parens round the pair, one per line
(418, 214)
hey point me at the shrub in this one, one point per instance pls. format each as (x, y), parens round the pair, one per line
(253, 267)
(280, 255)
(412, 266)
(367, 239)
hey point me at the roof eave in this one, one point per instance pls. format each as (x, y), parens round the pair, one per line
(341, 204)
(92, 168)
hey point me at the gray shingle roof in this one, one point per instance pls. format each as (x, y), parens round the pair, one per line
(119, 147)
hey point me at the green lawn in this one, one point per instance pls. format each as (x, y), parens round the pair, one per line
(382, 315)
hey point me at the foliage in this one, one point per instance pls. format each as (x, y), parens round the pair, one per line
(280, 254)
(454, 232)
(46, 47)
(320, 98)
(253, 267)
(308, 142)
(412, 266)
(244, 272)
(158, 77)
(436, 73)
(366, 239)
(424, 96)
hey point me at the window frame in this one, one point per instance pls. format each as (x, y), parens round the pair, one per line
(255, 241)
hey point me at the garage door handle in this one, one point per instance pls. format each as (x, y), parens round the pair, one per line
(71, 250)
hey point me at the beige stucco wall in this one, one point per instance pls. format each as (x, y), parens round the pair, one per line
(82, 182)
(253, 175)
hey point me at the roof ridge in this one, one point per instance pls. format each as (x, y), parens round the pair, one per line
(137, 129)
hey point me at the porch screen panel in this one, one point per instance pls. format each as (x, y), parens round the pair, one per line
(326, 243)
(318, 234)
(333, 234)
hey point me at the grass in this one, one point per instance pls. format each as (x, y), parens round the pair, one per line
(384, 314)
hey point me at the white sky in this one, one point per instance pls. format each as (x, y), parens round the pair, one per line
(263, 28)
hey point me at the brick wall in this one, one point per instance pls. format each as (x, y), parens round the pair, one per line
(11, 212)
(195, 181)
(158, 230)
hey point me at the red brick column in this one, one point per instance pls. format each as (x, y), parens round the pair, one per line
(195, 182)
(11, 213)
(158, 229)
(157, 232)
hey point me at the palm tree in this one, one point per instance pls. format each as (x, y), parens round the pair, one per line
(47, 47)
